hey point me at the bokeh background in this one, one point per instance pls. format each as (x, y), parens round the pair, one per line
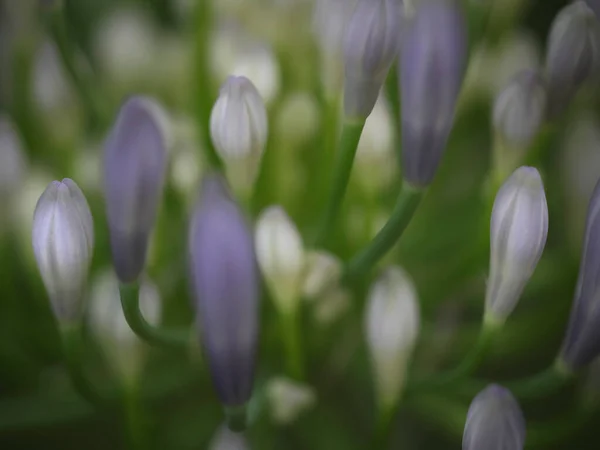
(180, 51)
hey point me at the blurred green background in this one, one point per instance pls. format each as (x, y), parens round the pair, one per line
(180, 51)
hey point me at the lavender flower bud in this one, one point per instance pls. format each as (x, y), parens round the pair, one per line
(63, 243)
(391, 326)
(582, 341)
(134, 172)
(573, 53)
(226, 283)
(434, 56)
(595, 6)
(519, 227)
(238, 128)
(494, 421)
(519, 110)
(371, 44)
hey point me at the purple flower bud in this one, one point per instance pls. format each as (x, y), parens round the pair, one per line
(226, 282)
(134, 172)
(595, 6)
(494, 421)
(433, 59)
(582, 341)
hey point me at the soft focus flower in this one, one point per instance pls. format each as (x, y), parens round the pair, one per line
(281, 257)
(225, 439)
(226, 283)
(391, 326)
(135, 162)
(331, 306)
(322, 272)
(582, 340)
(595, 6)
(122, 347)
(299, 118)
(431, 71)
(573, 53)
(519, 227)
(63, 243)
(238, 128)
(371, 44)
(494, 421)
(519, 110)
(288, 399)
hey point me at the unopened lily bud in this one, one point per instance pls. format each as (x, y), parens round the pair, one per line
(391, 327)
(238, 128)
(582, 341)
(135, 161)
(573, 53)
(122, 348)
(281, 257)
(519, 227)
(520, 109)
(322, 272)
(494, 421)
(432, 68)
(371, 44)
(63, 243)
(289, 399)
(226, 282)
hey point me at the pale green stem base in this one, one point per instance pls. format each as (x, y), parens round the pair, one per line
(236, 418)
(293, 346)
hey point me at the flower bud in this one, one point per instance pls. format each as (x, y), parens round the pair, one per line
(371, 44)
(121, 346)
(238, 128)
(519, 227)
(573, 53)
(519, 110)
(225, 439)
(135, 160)
(494, 421)
(322, 272)
(289, 399)
(63, 243)
(582, 341)
(434, 56)
(226, 282)
(391, 327)
(595, 6)
(280, 253)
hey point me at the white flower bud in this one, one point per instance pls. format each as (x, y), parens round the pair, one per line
(238, 128)
(392, 323)
(63, 242)
(225, 439)
(122, 348)
(519, 227)
(280, 254)
(371, 44)
(288, 399)
(520, 108)
(322, 272)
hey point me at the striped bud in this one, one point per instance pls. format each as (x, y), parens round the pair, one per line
(433, 60)
(519, 227)
(63, 243)
(226, 282)
(135, 161)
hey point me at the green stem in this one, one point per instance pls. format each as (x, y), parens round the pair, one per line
(541, 384)
(293, 346)
(346, 151)
(236, 417)
(204, 98)
(72, 341)
(79, 72)
(468, 364)
(134, 418)
(406, 205)
(152, 335)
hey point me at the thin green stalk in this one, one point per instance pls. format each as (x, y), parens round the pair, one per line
(293, 346)
(236, 418)
(204, 96)
(406, 205)
(346, 151)
(152, 335)
(72, 341)
(134, 418)
(467, 365)
(541, 384)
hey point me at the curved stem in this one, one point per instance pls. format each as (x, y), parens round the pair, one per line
(406, 205)
(72, 342)
(541, 384)
(152, 335)
(346, 151)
